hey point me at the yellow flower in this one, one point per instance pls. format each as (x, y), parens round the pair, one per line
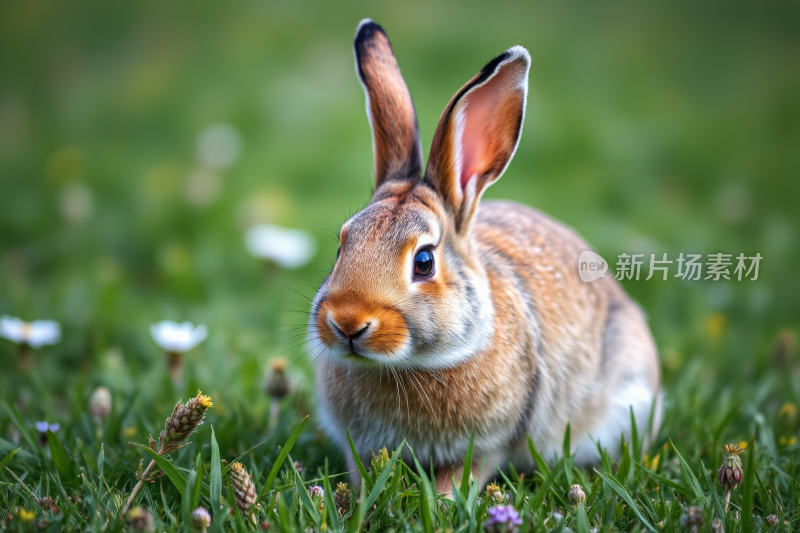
(784, 441)
(715, 325)
(788, 411)
(26, 516)
(651, 463)
(129, 432)
(743, 444)
(204, 400)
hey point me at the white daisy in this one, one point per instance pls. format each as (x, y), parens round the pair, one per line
(289, 248)
(178, 338)
(34, 334)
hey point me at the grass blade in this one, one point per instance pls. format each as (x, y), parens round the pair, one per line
(273, 473)
(582, 522)
(426, 497)
(101, 457)
(357, 459)
(540, 463)
(65, 467)
(200, 468)
(358, 515)
(635, 440)
(215, 482)
(305, 497)
(464, 487)
(715, 499)
(7, 458)
(169, 469)
(330, 502)
(686, 491)
(690, 477)
(540, 495)
(747, 490)
(381, 481)
(186, 502)
(625, 495)
(567, 458)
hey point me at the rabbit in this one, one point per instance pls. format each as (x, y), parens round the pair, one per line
(444, 315)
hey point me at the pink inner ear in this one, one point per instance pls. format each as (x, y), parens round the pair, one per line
(489, 126)
(478, 129)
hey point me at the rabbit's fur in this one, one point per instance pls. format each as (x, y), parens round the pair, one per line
(503, 338)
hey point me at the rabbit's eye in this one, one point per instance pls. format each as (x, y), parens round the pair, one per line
(423, 263)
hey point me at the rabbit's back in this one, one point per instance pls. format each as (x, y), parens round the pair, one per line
(591, 349)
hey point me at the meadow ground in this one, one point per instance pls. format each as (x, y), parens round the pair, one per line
(139, 142)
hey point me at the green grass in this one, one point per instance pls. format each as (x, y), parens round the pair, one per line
(90, 469)
(651, 127)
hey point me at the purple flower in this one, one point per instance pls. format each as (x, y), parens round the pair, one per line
(502, 519)
(316, 490)
(42, 428)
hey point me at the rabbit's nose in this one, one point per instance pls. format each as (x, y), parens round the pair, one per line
(350, 330)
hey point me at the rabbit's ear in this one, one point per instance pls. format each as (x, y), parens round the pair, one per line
(478, 133)
(395, 136)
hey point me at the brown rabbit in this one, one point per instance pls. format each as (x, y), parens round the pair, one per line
(443, 316)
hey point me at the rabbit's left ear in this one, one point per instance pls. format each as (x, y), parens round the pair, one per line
(478, 133)
(395, 136)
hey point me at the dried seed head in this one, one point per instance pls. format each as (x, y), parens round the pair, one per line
(342, 498)
(201, 519)
(693, 519)
(100, 403)
(48, 504)
(576, 494)
(243, 487)
(731, 474)
(772, 519)
(494, 494)
(277, 385)
(784, 348)
(184, 420)
(139, 520)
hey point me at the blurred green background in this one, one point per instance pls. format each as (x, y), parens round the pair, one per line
(651, 127)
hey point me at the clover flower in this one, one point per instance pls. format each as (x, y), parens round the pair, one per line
(100, 403)
(494, 494)
(201, 519)
(243, 488)
(772, 519)
(288, 248)
(717, 526)
(140, 520)
(502, 519)
(342, 498)
(316, 490)
(576, 494)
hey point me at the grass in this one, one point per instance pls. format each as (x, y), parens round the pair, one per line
(89, 469)
(651, 127)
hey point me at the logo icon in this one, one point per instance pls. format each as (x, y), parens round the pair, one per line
(591, 266)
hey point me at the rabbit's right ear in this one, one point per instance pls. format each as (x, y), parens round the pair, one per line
(395, 136)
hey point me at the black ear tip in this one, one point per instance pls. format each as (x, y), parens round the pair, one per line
(366, 31)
